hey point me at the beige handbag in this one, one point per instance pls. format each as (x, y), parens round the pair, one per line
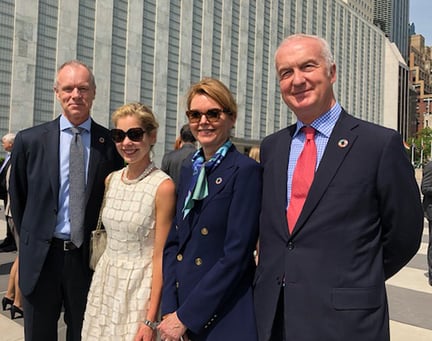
(98, 239)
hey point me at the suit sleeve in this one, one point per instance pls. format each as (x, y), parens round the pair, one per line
(426, 183)
(169, 291)
(18, 181)
(400, 206)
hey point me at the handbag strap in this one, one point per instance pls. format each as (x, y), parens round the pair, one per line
(99, 223)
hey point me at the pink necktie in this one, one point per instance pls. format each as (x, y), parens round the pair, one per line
(302, 177)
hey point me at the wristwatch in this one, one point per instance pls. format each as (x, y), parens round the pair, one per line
(151, 324)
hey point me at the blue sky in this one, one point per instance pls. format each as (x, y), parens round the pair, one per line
(421, 15)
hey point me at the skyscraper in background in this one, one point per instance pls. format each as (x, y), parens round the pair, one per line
(392, 17)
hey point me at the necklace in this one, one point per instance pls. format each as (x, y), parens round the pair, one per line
(146, 172)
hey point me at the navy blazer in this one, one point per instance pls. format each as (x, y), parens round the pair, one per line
(426, 189)
(208, 258)
(34, 190)
(361, 223)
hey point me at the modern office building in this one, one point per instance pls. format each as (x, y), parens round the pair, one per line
(392, 17)
(420, 63)
(152, 50)
(364, 8)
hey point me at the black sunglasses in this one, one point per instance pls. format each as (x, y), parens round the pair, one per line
(134, 134)
(212, 115)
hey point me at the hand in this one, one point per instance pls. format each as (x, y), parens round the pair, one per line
(171, 328)
(145, 333)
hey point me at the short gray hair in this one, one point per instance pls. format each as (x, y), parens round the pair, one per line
(9, 137)
(325, 47)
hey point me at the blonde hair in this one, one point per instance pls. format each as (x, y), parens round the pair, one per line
(254, 153)
(142, 112)
(217, 91)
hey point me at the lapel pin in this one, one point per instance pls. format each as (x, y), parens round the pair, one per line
(101, 140)
(218, 181)
(343, 143)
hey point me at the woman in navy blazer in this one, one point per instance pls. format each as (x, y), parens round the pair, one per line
(208, 258)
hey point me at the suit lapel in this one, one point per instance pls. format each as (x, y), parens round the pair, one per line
(340, 143)
(97, 147)
(51, 144)
(216, 183)
(281, 165)
(280, 176)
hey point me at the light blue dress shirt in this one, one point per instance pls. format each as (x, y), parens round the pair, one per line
(324, 126)
(62, 229)
(5, 161)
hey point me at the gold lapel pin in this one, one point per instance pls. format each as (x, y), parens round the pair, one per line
(343, 143)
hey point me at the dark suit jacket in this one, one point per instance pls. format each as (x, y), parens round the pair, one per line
(172, 161)
(426, 188)
(34, 189)
(361, 223)
(208, 258)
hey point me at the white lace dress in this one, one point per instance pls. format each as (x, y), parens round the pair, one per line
(121, 283)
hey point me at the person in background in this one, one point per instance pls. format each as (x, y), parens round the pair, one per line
(254, 153)
(8, 243)
(172, 161)
(124, 297)
(208, 257)
(54, 271)
(426, 189)
(177, 143)
(340, 214)
(12, 298)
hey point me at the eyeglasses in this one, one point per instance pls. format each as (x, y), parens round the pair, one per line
(212, 115)
(134, 134)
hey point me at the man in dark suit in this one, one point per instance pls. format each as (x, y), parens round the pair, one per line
(323, 277)
(53, 271)
(172, 161)
(8, 243)
(426, 188)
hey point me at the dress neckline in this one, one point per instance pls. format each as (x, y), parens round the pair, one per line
(150, 168)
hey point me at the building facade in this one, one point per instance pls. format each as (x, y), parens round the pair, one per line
(364, 8)
(420, 63)
(152, 50)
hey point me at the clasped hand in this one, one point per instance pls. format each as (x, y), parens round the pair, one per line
(172, 329)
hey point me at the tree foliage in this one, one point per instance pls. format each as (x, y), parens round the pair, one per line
(422, 147)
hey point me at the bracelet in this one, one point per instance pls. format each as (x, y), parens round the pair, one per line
(151, 324)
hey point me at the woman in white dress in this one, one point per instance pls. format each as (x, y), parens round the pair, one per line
(124, 297)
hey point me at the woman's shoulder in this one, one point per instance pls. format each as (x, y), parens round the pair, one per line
(160, 174)
(243, 160)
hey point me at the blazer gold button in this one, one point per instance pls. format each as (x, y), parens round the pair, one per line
(179, 257)
(198, 261)
(204, 231)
